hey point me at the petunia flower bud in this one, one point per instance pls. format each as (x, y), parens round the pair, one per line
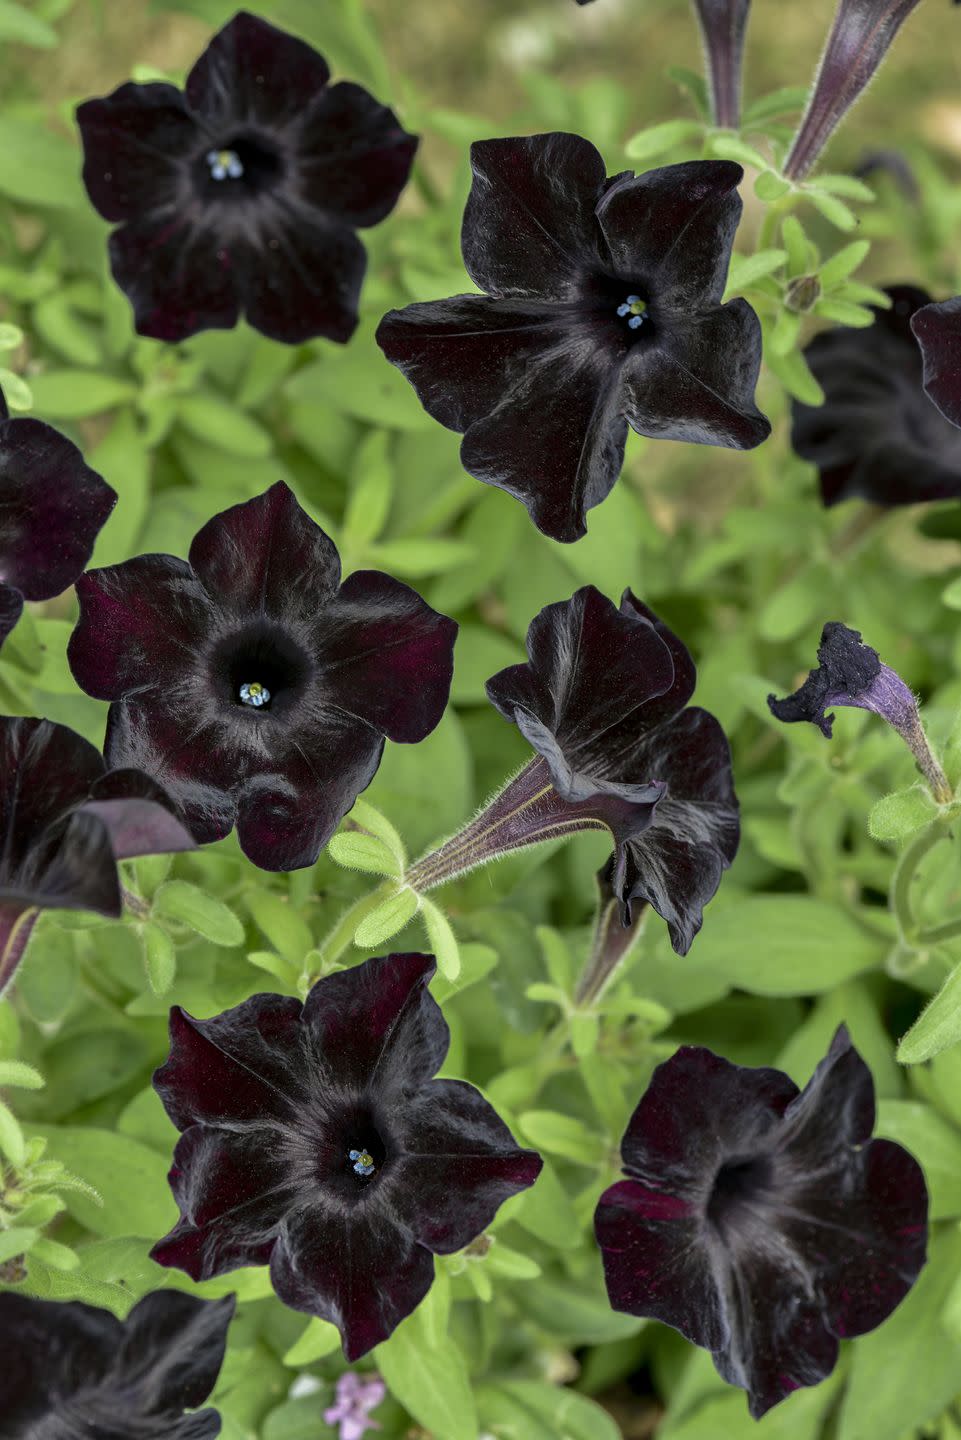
(723, 23)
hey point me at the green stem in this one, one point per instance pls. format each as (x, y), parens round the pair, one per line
(906, 873)
(342, 935)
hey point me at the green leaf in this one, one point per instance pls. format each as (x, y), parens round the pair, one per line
(358, 381)
(280, 922)
(569, 1309)
(937, 1027)
(547, 1213)
(223, 425)
(694, 86)
(419, 558)
(745, 269)
(657, 139)
(51, 1252)
(793, 372)
(38, 166)
(847, 185)
(951, 594)
(430, 1381)
(356, 850)
(16, 391)
(21, 28)
(179, 900)
(530, 1409)
(320, 1338)
(480, 653)
(786, 944)
(798, 246)
(16, 1241)
(160, 958)
(902, 813)
(842, 312)
(443, 941)
(934, 1143)
(12, 1142)
(788, 100)
(833, 209)
(841, 265)
(123, 460)
(74, 394)
(370, 819)
(130, 1178)
(770, 186)
(729, 147)
(11, 336)
(372, 487)
(387, 919)
(562, 1135)
(25, 1077)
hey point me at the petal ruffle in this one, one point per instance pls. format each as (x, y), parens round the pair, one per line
(674, 229)
(173, 1348)
(662, 707)
(138, 814)
(253, 73)
(136, 143)
(304, 280)
(696, 381)
(355, 156)
(529, 228)
(937, 329)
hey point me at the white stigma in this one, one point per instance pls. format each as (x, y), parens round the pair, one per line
(224, 165)
(254, 694)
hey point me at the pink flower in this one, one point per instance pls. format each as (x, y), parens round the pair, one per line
(357, 1395)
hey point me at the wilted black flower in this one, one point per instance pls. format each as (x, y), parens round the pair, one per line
(252, 684)
(65, 821)
(877, 436)
(602, 309)
(858, 42)
(602, 702)
(316, 1140)
(74, 1372)
(761, 1221)
(937, 329)
(723, 23)
(244, 192)
(52, 507)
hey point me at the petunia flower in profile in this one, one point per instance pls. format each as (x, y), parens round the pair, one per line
(244, 192)
(603, 702)
(937, 329)
(52, 507)
(72, 1370)
(762, 1221)
(65, 821)
(851, 673)
(723, 23)
(252, 684)
(878, 436)
(315, 1140)
(860, 37)
(602, 309)
(357, 1395)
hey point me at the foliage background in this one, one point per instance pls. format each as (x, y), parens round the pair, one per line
(733, 550)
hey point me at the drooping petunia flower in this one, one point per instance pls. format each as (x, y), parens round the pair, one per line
(315, 1140)
(860, 37)
(877, 436)
(723, 23)
(602, 700)
(357, 1395)
(937, 329)
(52, 507)
(254, 686)
(72, 1370)
(244, 192)
(65, 821)
(761, 1221)
(602, 310)
(851, 673)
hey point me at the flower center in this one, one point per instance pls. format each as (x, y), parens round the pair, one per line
(238, 167)
(738, 1185)
(225, 164)
(363, 1162)
(254, 694)
(633, 310)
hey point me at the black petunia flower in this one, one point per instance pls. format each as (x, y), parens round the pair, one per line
(878, 435)
(315, 1140)
(602, 700)
(937, 329)
(244, 192)
(851, 673)
(52, 507)
(65, 821)
(74, 1372)
(254, 686)
(602, 309)
(761, 1221)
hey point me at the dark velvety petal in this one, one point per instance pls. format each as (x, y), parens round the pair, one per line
(52, 507)
(267, 556)
(592, 670)
(11, 608)
(233, 1190)
(848, 673)
(76, 870)
(355, 156)
(556, 441)
(529, 227)
(674, 229)
(662, 707)
(253, 72)
(287, 813)
(50, 1350)
(139, 815)
(355, 1268)
(241, 1068)
(173, 1348)
(655, 1263)
(376, 1025)
(46, 770)
(460, 1163)
(463, 355)
(386, 656)
(834, 1112)
(938, 332)
(696, 383)
(176, 275)
(676, 864)
(140, 626)
(135, 145)
(305, 279)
